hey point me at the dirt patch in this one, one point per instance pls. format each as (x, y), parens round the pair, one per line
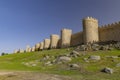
(4, 75)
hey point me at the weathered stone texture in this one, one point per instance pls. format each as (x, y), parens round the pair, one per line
(54, 41)
(21, 51)
(37, 47)
(41, 45)
(90, 34)
(28, 49)
(90, 30)
(33, 49)
(66, 37)
(77, 39)
(16, 51)
(110, 32)
(46, 43)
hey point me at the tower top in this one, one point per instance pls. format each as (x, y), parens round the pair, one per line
(54, 35)
(66, 29)
(90, 18)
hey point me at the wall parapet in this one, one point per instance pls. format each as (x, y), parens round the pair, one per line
(109, 25)
(91, 32)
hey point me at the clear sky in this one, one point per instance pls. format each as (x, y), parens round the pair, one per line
(26, 22)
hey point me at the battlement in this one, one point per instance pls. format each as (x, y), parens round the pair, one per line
(108, 26)
(54, 35)
(90, 18)
(91, 33)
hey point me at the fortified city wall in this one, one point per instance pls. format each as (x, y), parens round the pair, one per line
(91, 33)
(65, 37)
(77, 39)
(54, 41)
(46, 43)
(110, 32)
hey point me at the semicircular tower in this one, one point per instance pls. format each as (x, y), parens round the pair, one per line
(65, 37)
(54, 41)
(90, 30)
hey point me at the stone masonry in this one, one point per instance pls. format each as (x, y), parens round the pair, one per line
(54, 41)
(91, 33)
(46, 43)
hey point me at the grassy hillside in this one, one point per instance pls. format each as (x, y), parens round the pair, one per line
(89, 70)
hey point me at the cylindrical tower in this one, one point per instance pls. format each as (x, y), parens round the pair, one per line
(16, 51)
(22, 50)
(46, 43)
(27, 48)
(33, 48)
(54, 41)
(65, 37)
(41, 45)
(90, 30)
(37, 47)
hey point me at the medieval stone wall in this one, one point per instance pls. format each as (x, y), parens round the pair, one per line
(28, 49)
(41, 45)
(65, 37)
(37, 47)
(46, 43)
(77, 39)
(54, 41)
(33, 48)
(110, 32)
(91, 32)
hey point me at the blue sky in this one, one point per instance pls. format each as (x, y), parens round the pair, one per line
(26, 22)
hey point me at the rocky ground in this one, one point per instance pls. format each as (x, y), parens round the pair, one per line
(19, 75)
(84, 62)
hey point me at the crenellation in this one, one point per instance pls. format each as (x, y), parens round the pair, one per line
(91, 33)
(91, 19)
(90, 30)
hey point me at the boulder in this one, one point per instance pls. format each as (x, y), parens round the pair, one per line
(107, 70)
(63, 59)
(74, 54)
(95, 47)
(33, 65)
(93, 57)
(77, 48)
(114, 57)
(83, 48)
(74, 66)
(104, 47)
(48, 63)
(86, 59)
(118, 65)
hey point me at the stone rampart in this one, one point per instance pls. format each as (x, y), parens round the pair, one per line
(110, 32)
(65, 37)
(54, 41)
(77, 39)
(37, 47)
(46, 43)
(91, 33)
(90, 30)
